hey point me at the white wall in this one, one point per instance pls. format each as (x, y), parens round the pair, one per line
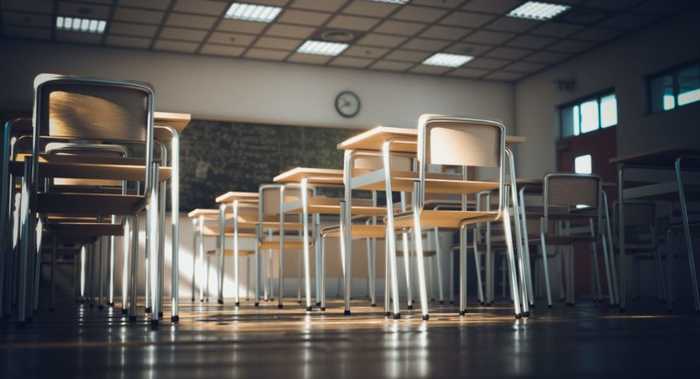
(621, 65)
(253, 91)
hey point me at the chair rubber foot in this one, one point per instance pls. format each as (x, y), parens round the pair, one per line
(549, 306)
(220, 302)
(462, 313)
(237, 304)
(299, 302)
(201, 300)
(397, 316)
(426, 317)
(147, 310)
(518, 316)
(256, 304)
(347, 312)
(318, 303)
(193, 299)
(125, 311)
(373, 305)
(160, 315)
(387, 314)
(280, 306)
(323, 309)
(175, 319)
(410, 306)
(111, 304)
(309, 309)
(526, 314)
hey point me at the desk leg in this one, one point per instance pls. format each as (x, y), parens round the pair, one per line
(317, 255)
(306, 241)
(221, 252)
(688, 236)
(280, 294)
(391, 236)
(622, 295)
(175, 224)
(406, 257)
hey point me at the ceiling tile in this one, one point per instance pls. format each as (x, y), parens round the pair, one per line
(629, 21)
(432, 70)
(420, 14)
(132, 42)
(353, 22)
(391, 66)
(83, 10)
(38, 6)
(150, 4)
(182, 34)
(382, 40)
(269, 55)
(467, 19)
(468, 72)
(487, 37)
(554, 29)
(425, 44)
(351, 62)
(138, 15)
(22, 32)
(277, 43)
(492, 6)
(222, 50)
(508, 53)
(137, 30)
(547, 57)
(505, 76)
(309, 58)
(583, 16)
(510, 24)
(449, 4)
(293, 16)
(487, 63)
(369, 8)
(570, 46)
(407, 56)
(177, 46)
(291, 31)
(399, 27)
(213, 8)
(27, 19)
(527, 67)
(531, 42)
(325, 5)
(234, 39)
(241, 26)
(468, 49)
(365, 51)
(190, 21)
(596, 34)
(445, 32)
(277, 3)
(77, 37)
(611, 5)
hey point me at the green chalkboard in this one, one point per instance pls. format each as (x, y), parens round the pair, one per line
(217, 157)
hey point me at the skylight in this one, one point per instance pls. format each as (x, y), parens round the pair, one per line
(447, 60)
(536, 10)
(252, 12)
(322, 48)
(77, 24)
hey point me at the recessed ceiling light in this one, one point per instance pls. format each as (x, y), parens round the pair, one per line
(391, 1)
(322, 48)
(252, 12)
(77, 24)
(447, 60)
(536, 10)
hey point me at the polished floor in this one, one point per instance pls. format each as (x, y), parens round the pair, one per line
(216, 341)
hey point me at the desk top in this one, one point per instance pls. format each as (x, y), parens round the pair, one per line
(314, 176)
(248, 197)
(179, 121)
(405, 139)
(656, 158)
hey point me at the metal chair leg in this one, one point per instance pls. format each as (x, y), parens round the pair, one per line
(438, 259)
(688, 236)
(134, 258)
(511, 262)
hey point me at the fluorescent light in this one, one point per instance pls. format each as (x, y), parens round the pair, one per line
(447, 60)
(535, 10)
(322, 48)
(77, 24)
(252, 12)
(391, 1)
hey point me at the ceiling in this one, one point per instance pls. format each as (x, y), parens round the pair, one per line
(390, 37)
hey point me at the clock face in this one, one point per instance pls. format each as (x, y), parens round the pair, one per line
(347, 104)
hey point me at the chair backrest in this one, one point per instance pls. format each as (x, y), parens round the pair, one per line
(571, 192)
(374, 162)
(75, 108)
(270, 197)
(457, 141)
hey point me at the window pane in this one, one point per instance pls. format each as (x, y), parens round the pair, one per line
(608, 111)
(583, 164)
(689, 85)
(589, 116)
(569, 119)
(662, 98)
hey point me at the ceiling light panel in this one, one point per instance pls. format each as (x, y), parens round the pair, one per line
(77, 24)
(392, 1)
(322, 48)
(252, 12)
(536, 10)
(447, 60)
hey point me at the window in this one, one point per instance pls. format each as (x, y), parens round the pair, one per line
(675, 88)
(583, 164)
(588, 115)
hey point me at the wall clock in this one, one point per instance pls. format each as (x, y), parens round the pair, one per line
(347, 104)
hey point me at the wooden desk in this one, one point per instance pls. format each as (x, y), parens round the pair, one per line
(178, 121)
(242, 197)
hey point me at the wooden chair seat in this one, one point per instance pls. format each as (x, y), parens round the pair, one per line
(275, 245)
(435, 183)
(445, 219)
(229, 253)
(358, 231)
(88, 170)
(89, 203)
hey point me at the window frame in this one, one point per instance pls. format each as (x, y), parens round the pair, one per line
(597, 96)
(673, 72)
